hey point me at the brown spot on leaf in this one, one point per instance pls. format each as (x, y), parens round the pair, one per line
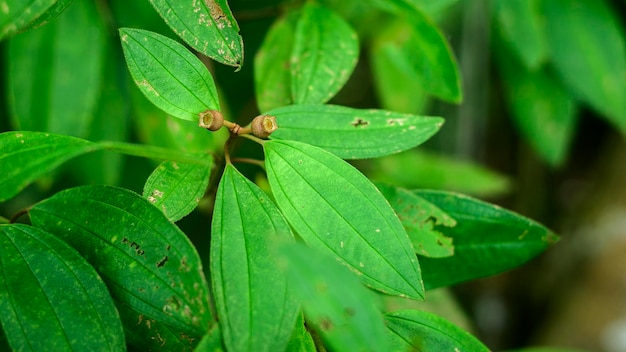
(161, 262)
(359, 122)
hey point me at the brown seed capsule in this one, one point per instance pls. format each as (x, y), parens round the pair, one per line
(212, 120)
(264, 125)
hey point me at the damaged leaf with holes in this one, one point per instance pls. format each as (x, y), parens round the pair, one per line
(151, 268)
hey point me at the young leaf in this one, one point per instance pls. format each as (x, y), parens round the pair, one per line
(272, 64)
(212, 341)
(176, 188)
(301, 340)
(17, 14)
(353, 133)
(151, 268)
(55, 73)
(422, 331)
(418, 217)
(28, 155)
(325, 52)
(207, 26)
(255, 306)
(589, 54)
(487, 240)
(51, 13)
(334, 208)
(343, 311)
(170, 76)
(51, 298)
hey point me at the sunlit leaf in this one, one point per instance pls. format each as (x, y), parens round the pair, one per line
(353, 133)
(343, 311)
(27, 156)
(255, 306)
(414, 330)
(588, 51)
(325, 52)
(418, 217)
(272, 77)
(51, 298)
(176, 188)
(151, 268)
(487, 240)
(17, 14)
(170, 76)
(55, 73)
(334, 208)
(207, 26)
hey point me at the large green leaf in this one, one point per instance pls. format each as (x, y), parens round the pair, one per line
(487, 240)
(272, 74)
(414, 330)
(176, 188)
(255, 306)
(325, 52)
(27, 156)
(353, 133)
(589, 54)
(151, 268)
(343, 311)
(55, 73)
(170, 76)
(334, 208)
(16, 14)
(207, 26)
(51, 298)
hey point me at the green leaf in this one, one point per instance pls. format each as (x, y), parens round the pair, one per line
(414, 330)
(255, 306)
(419, 217)
(176, 188)
(170, 76)
(154, 152)
(26, 156)
(301, 339)
(521, 25)
(272, 74)
(17, 14)
(334, 208)
(545, 113)
(325, 52)
(212, 341)
(151, 268)
(420, 169)
(51, 13)
(51, 298)
(421, 45)
(207, 26)
(55, 73)
(353, 133)
(487, 240)
(343, 311)
(588, 53)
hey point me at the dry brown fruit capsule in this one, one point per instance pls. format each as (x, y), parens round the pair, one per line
(212, 120)
(264, 125)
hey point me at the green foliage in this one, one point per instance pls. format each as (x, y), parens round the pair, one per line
(303, 258)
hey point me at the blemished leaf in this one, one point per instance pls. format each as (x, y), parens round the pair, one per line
(343, 311)
(51, 298)
(545, 113)
(419, 217)
(301, 339)
(420, 169)
(521, 25)
(26, 156)
(353, 133)
(589, 54)
(176, 188)
(207, 26)
(17, 14)
(325, 52)
(420, 43)
(414, 330)
(169, 75)
(255, 306)
(51, 13)
(53, 84)
(487, 240)
(152, 270)
(336, 209)
(272, 77)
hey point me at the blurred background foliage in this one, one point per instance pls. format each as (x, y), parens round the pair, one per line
(537, 127)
